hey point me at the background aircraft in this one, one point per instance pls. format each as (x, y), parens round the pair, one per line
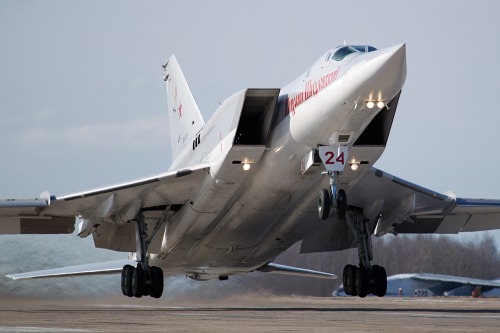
(427, 285)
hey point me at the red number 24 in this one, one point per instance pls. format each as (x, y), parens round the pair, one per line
(331, 156)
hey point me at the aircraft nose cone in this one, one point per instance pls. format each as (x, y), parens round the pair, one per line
(380, 77)
(390, 63)
(393, 53)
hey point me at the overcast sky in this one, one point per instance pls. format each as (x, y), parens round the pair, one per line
(83, 105)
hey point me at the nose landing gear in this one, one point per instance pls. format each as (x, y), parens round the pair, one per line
(334, 159)
(332, 198)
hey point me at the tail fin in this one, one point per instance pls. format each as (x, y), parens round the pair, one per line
(184, 116)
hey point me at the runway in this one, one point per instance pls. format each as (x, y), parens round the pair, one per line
(262, 313)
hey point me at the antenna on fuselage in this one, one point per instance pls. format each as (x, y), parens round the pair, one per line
(345, 43)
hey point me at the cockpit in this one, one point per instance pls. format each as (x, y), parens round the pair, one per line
(344, 51)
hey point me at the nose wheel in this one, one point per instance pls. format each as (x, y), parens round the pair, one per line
(341, 203)
(324, 204)
(331, 198)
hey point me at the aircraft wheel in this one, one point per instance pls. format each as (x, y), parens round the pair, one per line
(344, 280)
(350, 286)
(362, 282)
(157, 282)
(324, 204)
(138, 282)
(341, 204)
(380, 281)
(127, 273)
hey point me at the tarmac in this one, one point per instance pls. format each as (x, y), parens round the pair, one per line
(251, 313)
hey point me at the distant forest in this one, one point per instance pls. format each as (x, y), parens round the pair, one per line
(401, 254)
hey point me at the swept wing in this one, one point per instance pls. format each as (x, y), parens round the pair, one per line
(400, 206)
(394, 205)
(57, 215)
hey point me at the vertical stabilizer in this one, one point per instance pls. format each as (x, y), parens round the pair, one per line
(184, 116)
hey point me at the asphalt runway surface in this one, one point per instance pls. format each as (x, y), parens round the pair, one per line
(263, 313)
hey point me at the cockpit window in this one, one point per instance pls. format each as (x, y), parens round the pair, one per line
(343, 52)
(364, 48)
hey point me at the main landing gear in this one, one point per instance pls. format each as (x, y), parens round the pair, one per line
(143, 280)
(138, 282)
(367, 278)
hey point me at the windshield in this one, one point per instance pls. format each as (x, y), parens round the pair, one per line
(344, 51)
(364, 48)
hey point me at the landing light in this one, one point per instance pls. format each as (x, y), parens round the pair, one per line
(370, 105)
(380, 104)
(246, 166)
(354, 166)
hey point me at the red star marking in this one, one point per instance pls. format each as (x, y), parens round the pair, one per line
(180, 110)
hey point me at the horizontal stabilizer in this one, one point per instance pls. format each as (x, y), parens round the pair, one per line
(289, 270)
(102, 268)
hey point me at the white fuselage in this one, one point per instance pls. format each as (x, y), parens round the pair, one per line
(245, 219)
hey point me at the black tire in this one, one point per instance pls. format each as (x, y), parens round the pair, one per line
(157, 282)
(138, 282)
(380, 281)
(324, 204)
(344, 280)
(351, 280)
(127, 272)
(362, 282)
(341, 204)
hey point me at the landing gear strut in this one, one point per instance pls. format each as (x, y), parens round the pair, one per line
(143, 280)
(332, 198)
(367, 278)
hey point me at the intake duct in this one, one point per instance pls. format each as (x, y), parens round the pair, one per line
(377, 132)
